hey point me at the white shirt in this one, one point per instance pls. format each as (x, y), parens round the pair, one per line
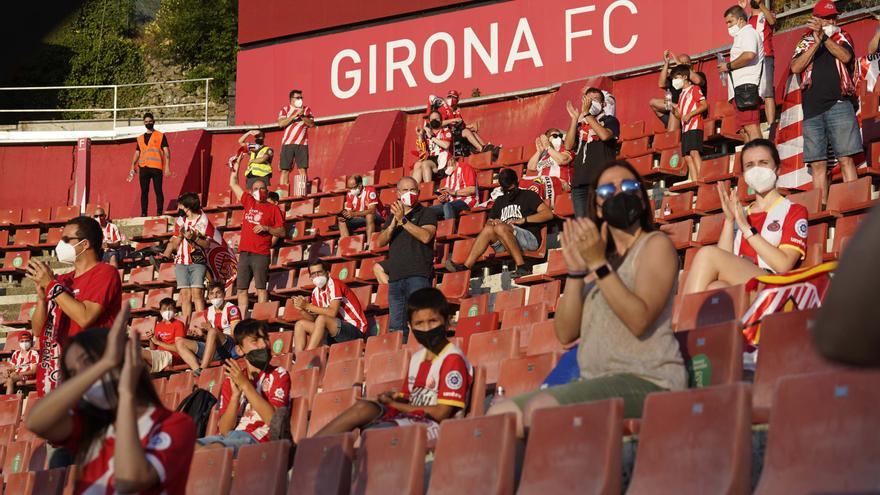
(746, 40)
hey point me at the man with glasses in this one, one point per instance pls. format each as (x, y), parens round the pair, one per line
(334, 313)
(551, 158)
(152, 160)
(113, 238)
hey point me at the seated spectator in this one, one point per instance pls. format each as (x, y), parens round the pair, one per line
(23, 363)
(435, 145)
(617, 299)
(249, 397)
(361, 209)
(662, 107)
(192, 234)
(167, 332)
(108, 415)
(551, 158)
(514, 226)
(259, 158)
(689, 111)
(113, 238)
(334, 313)
(439, 381)
(458, 192)
(217, 330)
(744, 68)
(452, 118)
(770, 236)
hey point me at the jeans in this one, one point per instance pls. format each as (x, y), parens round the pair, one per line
(579, 201)
(450, 209)
(234, 439)
(398, 293)
(839, 126)
(145, 175)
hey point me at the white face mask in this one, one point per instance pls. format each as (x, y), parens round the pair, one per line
(830, 30)
(25, 346)
(408, 198)
(320, 281)
(96, 395)
(450, 101)
(66, 253)
(595, 108)
(356, 191)
(733, 30)
(678, 83)
(218, 302)
(298, 103)
(556, 143)
(167, 315)
(760, 179)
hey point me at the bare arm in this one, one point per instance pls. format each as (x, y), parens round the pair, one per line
(768, 14)
(308, 121)
(84, 313)
(38, 319)
(332, 309)
(603, 132)
(561, 158)
(134, 159)
(544, 214)
(233, 183)
(166, 153)
(799, 64)
(743, 60)
(229, 418)
(533, 161)
(569, 310)
(725, 241)
(664, 74)
(385, 235)
(839, 51)
(780, 259)
(441, 143)
(571, 136)
(438, 412)
(874, 44)
(424, 234)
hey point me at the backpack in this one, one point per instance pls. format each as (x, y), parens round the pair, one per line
(198, 406)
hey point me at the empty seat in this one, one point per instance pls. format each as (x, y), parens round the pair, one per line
(211, 380)
(525, 374)
(676, 206)
(543, 339)
(465, 327)
(262, 469)
(455, 286)
(353, 349)
(695, 441)
(547, 292)
(635, 148)
(713, 354)
(667, 140)
(15, 261)
(314, 358)
(680, 233)
(474, 306)
(343, 374)
(210, 472)
(20, 483)
(328, 405)
(49, 481)
(846, 197)
(391, 460)
(574, 449)
(672, 163)
(709, 230)
(489, 349)
(280, 342)
(524, 315)
(10, 409)
(323, 465)
(385, 368)
(23, 456)
(710, 307)
(509, 299)
(304, 383)
(265, 310)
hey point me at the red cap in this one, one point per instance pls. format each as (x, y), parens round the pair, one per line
(825, 8)
(25, 335)
(453, 93)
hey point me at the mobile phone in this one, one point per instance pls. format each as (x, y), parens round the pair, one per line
(223, 353)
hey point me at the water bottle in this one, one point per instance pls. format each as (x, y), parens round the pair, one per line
(721, 60)
(130, 176)
(506, 281)
(498, 397)
(658, 193)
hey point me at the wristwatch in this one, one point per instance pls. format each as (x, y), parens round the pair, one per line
(728, 67)
(404, 221)
(602, 272)
(752, 231)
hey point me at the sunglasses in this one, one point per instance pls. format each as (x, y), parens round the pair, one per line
(554, 135)
(102, 215)
(68, 239)
(627, 186)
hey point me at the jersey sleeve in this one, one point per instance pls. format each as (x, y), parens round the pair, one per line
(170, 449)
(336, 290)
(233, 313)
(372, 197)
(454, 382)
(277, 217)
(794, 230)
(279, 393)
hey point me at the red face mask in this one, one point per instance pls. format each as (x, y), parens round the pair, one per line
(261, 195)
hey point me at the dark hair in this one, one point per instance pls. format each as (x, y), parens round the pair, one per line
(273, 196)
(250, 327)
(294, 92)
(507, 177)
(737, 12)
(318, 261)
(216, 285)
(150, 115)
(427, 298)
(167, 301)
(763, 143)
(358, 180)
(89, 229)
(596, 90)
(191, 201)
(681, 70)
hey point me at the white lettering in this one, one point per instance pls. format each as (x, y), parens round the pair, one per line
(569, 34)
(472, 43)
(392, 65)
(606, 27)
(523, 31)
(450, 57)
(372, 62)
(354, 75)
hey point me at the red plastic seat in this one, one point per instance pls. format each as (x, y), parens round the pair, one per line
(523, 315)
(144, 326)
(715, 169)
(525, 374)
(20, 482)
(23, 455)
(280, 342)
(489, 349)
(10, 409)
(844, 230)
(713, 354)
(679, 233)
(634, 130)
(391, 460)
(10, 216)
(455, 286)
(210, 472)
(351, 246)
(26, 238)
(389, 177)
(547, 292)
(710, 307)
(211, 380)
(388, 367)
(300, 209)
(328, 405)
(261, 468)
(323, 465)
(709, 230)
(667, 140)
(353, 349)
(314, 358)
(846, 197)
(49, 481)
(328, 205)
(635, 148)
(474, 306)
(265, 311)
(672, 163)
(344, 271)
(153, 229)
(470, 225)
(379, 344)
(36, 216)
(708, 200)
(140, 276)
(811, 200)
(543, 339)
(15, 261)
(304, 383)
(677, 206)
(510, 156)
(154, 296)
(341, 375)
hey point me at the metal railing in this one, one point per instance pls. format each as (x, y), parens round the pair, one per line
(115, 110)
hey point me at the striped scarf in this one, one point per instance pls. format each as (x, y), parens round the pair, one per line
(54, 331)
(847, 86)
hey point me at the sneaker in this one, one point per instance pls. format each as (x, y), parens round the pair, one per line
(522, 271)
(454, 267)
(197, 373)
(486, 147)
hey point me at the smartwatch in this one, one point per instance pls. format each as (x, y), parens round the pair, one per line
(752, 231)
(728, 67)
(602, 272)
(404, 221)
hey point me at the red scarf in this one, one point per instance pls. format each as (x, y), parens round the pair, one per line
(54, 331)
(842, 38)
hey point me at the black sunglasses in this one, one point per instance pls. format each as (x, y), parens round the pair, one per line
(67, 239)
(554, 135)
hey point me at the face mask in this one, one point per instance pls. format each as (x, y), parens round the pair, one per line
(167, 315)
(760, 179)
(218, 302)
(556, 143)
(733, 30)
(436, 124)
(97, 396)
(450, 102)
(149, 126)
(434, 339)
(830, 30)
(298, 103)
(678, 83)
(622, 210)
(259, 358)
(260, 195)
(595, 108)
(25, 346)
(320, 281)
(181, 213)
(408, 198)
(356, 191)
(259, 141)
(66, 253)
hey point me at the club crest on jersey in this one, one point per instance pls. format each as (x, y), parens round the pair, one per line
(454, 380)
(774, 226)
(801, 227)
(160, 442)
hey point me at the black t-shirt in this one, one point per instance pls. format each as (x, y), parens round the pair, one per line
(521, 204)
(147, 136)
(407, 256)
(592, 156)
(676, 93)
(824, 91)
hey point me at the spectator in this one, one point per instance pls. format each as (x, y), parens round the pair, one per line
(22, 364)
(409, 234)
(162, 350)
(689, 111)
(824, 58)
(151, 158)
(745, 70)
(296, 119)
(113, 238)
(192, 234)
(259, 158)
(273, 198)
(594, 135)
(662, 107)
(361, 209)
(249, 397)
(514, 226)
(218, 328)
(260, 222)
(89, 295)
(551, 158)
(334, 313)
(108, 415)
(769, 236)
(439, 381)
(436, 141)
(459, 191)
(617, 299)
(763, 19)
(452, 118)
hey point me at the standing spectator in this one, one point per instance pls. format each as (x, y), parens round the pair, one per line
(689, 111)
(662, 107)
(451, 115)
(113, 238)
(409, 234)
(217, 331)
(151, 157)
(87, 296)
(824, 58)
(361, 209)
(514, 225)
(594, 135)
(763, 19)
(260, 222)
(296, 119)
(459, 191)
(334, 312)
(436, 141)
(192, 231)
(249, 397)
(166, 333)
(108, 415)
(259, 158)
(744, 70)
(551, 158)
(22, 364)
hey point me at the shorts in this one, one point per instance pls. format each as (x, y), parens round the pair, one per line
(160, 359)
(691, 141)
(190, 276)
(229, 345)
(249, 182)
(252, 266)
(233, 439)
(747, 117)
(355, 223)
(110, 253)
(291, 153)
(345, 332)
(765, 88)
(525, 239)
(838, 126)
(390, 417)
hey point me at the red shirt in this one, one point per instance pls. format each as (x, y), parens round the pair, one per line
(364, 200)
(265, 214)
(168, 331)
(101, 284)
(23, 360)
(274, 385)
(349, 305)
(462, 176)
(449, 113)
(446, 379)
(688, 101)
(765, 31)
(168, 439)
(794, 232)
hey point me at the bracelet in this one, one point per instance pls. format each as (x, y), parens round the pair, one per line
(577, 274)
(728, 67)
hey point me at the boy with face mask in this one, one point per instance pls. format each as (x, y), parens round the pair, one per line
(23, 363)
(334, 312)
(166, 333)
(689, 111)
(438, 383)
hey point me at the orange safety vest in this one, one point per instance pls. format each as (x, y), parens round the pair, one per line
(151, 153)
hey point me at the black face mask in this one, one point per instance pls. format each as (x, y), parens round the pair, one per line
(259, 358)
(259, 141)
(754, 5)
(436, 124)
(622, 210)
(434, 339)
(149, 126)
(181, 213)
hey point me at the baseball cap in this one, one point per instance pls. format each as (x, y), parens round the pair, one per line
(825, 8)
(25, 335)
(453, 93)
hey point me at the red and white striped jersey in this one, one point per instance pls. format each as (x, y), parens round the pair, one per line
(23, 360)
(224, 318)
(444, 134)
(765, 32)
(687, 103)
(463, 175)
(367, 198)
(185, 249)
(274, 385)
(111, 233)
(296, 132)
(548, 167)
(349, 305)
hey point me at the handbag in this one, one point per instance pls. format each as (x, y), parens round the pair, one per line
(747, 96)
